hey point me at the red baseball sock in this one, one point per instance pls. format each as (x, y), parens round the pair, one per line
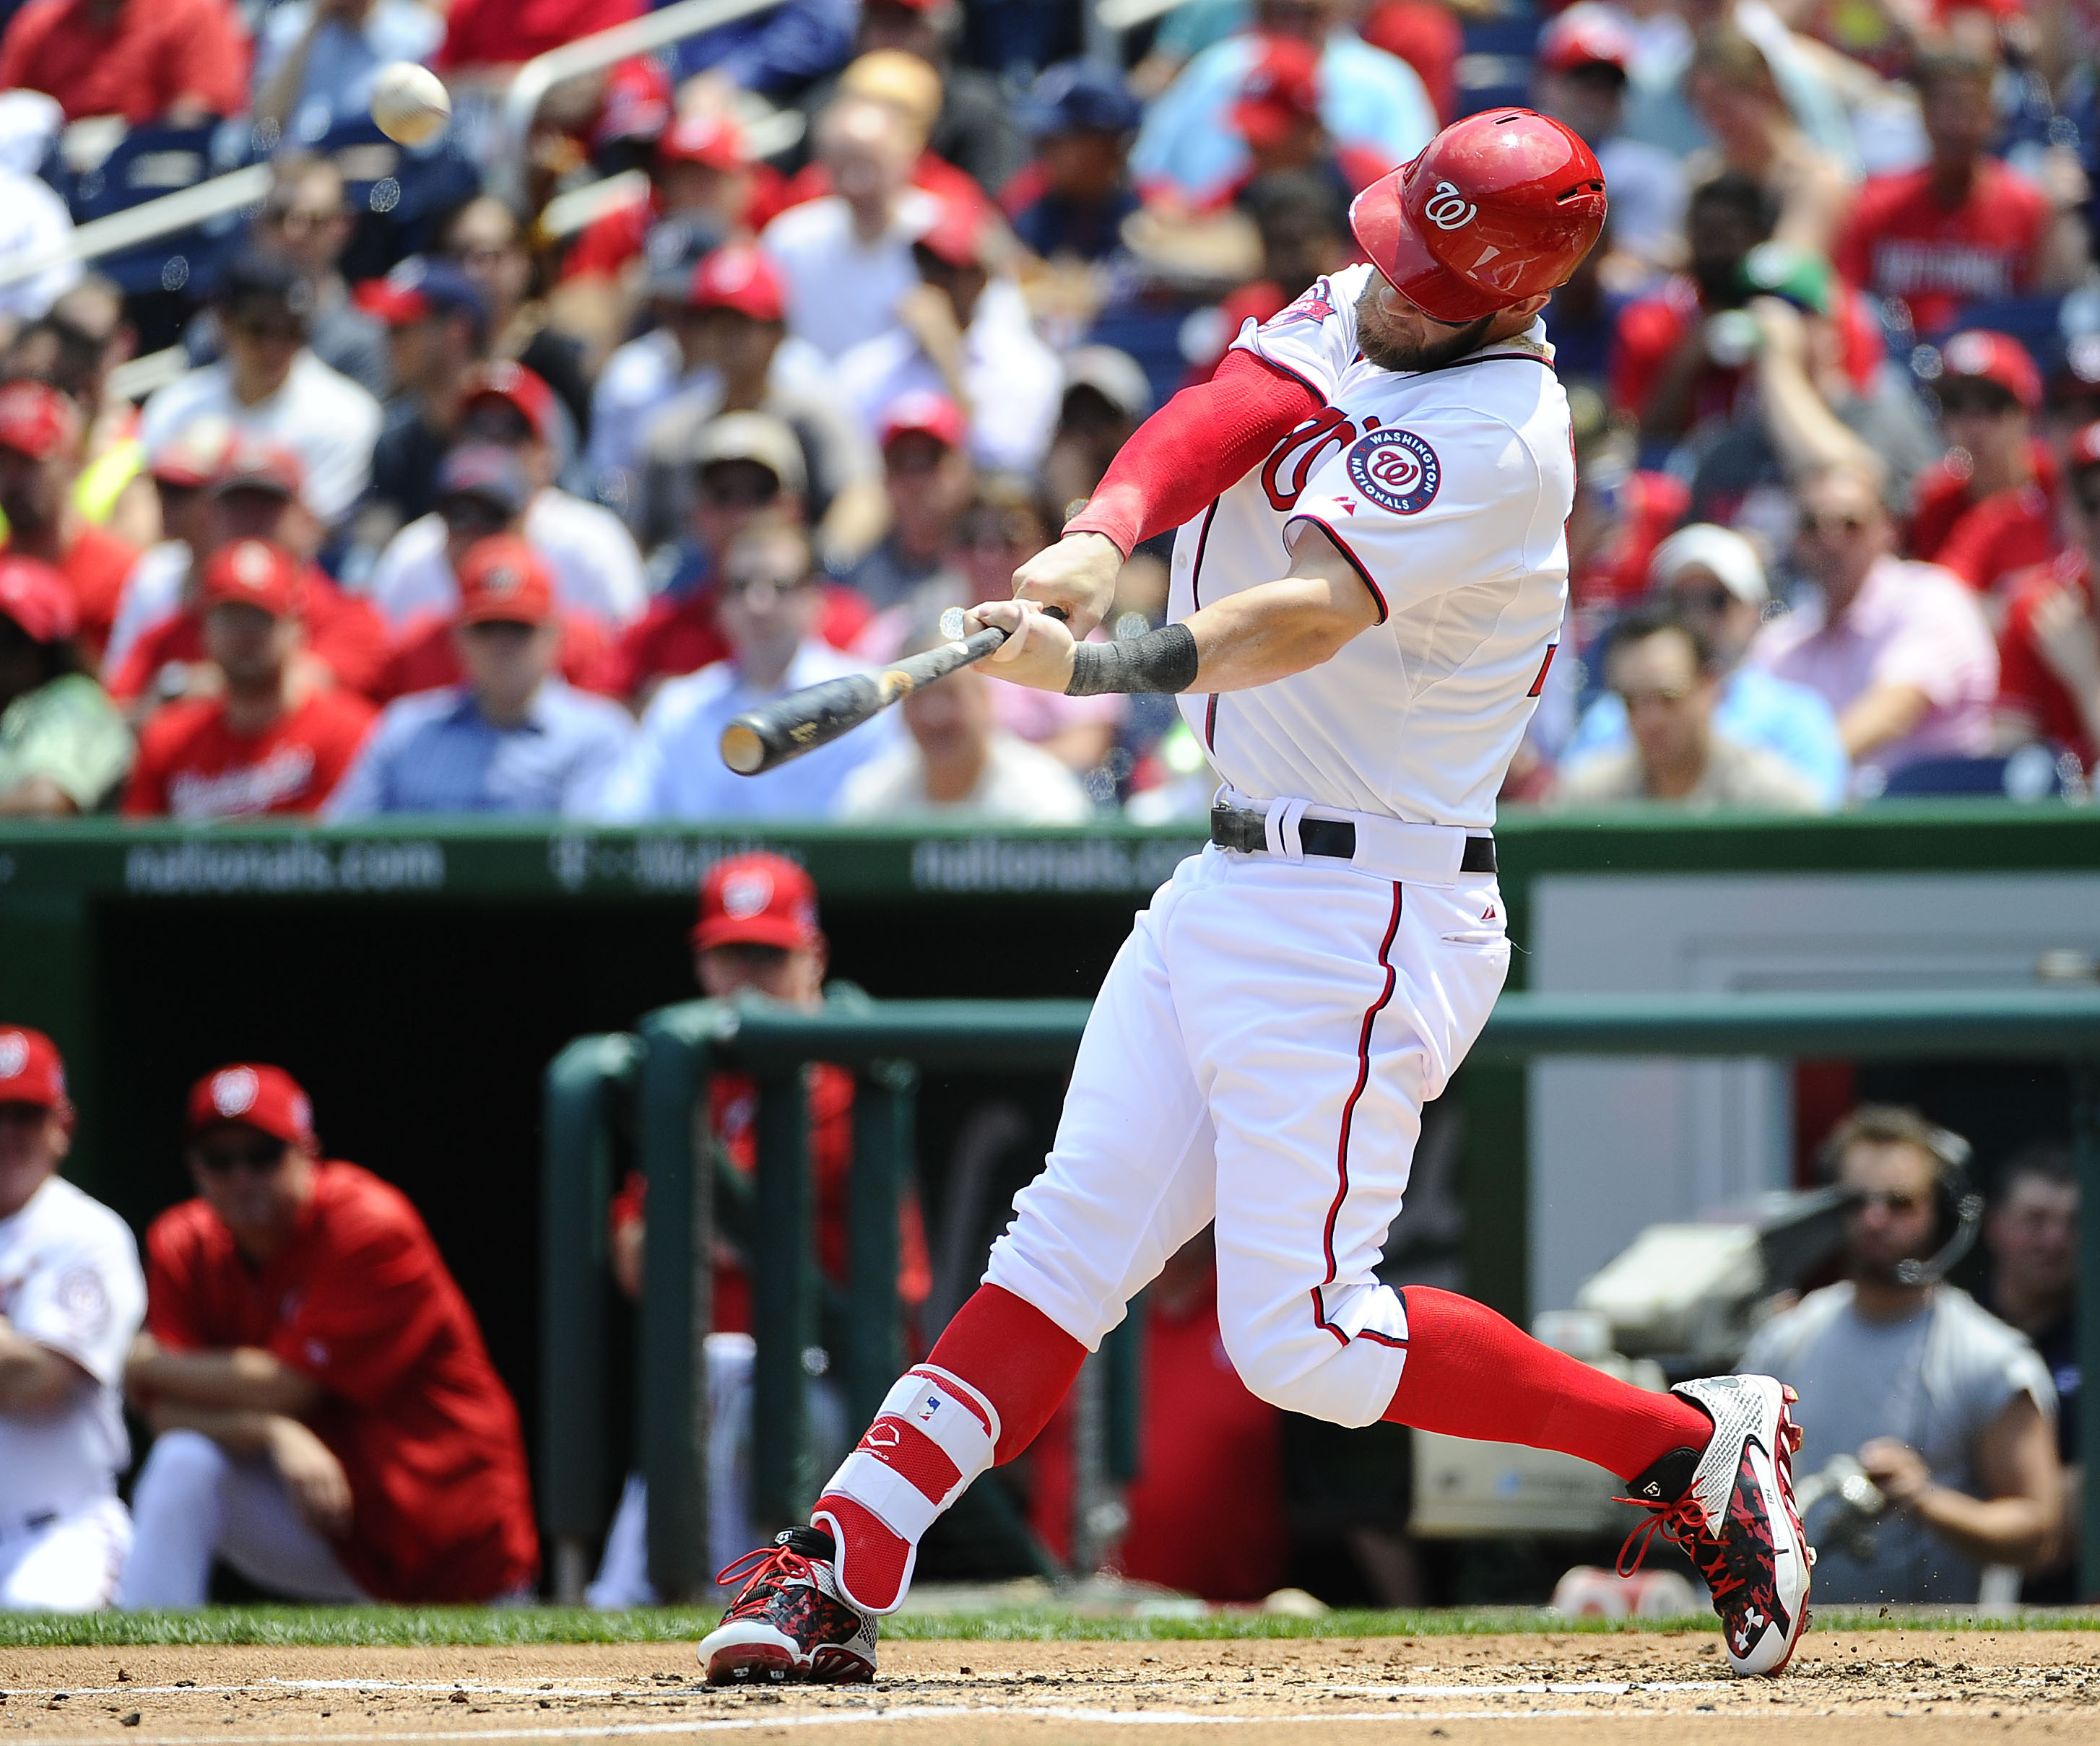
(1473, 1373)
(990, 1383)
(1015, 1357)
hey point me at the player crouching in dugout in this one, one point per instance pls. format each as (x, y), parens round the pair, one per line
(1947, 1411)
(327, 1419)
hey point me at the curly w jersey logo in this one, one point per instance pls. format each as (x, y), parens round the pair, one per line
(1291, 463)
(1396, 470)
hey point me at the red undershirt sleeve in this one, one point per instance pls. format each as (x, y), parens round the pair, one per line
(1202, 442)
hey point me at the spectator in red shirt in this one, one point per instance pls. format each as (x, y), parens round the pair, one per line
(481, 36)
(2049, 646)
(701, 171)
(327, 1419)
(178, 62)
(1989, 507)
(1963, 227)
(253, 495)
(40, 438)
(273, 742)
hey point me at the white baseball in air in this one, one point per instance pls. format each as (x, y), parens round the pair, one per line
(410, 102)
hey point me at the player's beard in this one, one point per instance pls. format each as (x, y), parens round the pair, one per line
(1389, 352)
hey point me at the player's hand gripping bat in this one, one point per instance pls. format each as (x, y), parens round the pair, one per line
(763, 738)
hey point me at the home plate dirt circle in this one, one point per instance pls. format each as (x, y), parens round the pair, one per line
(1844, 1688)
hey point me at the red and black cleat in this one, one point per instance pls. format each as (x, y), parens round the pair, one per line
(790, 1625)
(1730, 1506)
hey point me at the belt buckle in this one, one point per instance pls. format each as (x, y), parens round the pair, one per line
(1235, 827)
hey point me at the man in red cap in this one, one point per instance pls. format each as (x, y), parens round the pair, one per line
(40, 438)
(275, 740)
(1583, 60)
(926, 467)
(596, 568)
(757, 932)
(1989, 507)
(512, 737)
(62, 746)
(252, 494)
(326, 1418)
(700, 171)
(2048, 646)
(1370, 583)
(1277, 114)
(71, 1298)
(963, 331)
(437, 329)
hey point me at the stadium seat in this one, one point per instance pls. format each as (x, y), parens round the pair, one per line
(2031, 772)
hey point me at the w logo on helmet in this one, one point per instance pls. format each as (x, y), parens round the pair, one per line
(1448, 209)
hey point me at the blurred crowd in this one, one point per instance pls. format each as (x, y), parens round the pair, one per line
(498, 476)
(495, 475)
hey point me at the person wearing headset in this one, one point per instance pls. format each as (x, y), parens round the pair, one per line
(1950, 1412)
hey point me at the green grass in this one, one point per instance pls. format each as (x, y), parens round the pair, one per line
(477, 1627)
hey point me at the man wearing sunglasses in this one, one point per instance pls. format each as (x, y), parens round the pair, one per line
(71, 1298)
(2049, 647)
(1900, 651)
(326, 1418)
(269, 384)
(1951, 1412)
(1989, 508)
(596, 568)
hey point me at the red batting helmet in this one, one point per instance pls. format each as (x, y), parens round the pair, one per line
(1496, 208)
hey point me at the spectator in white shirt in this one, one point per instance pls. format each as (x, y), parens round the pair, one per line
(845, 260)
(1900, 651)
(960, 763)
(597, 572)
(269, 385)
(770, 602)
(965, 332)
(32, 217)
(926, 468)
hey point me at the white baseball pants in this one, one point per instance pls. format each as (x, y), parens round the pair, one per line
(194, 1502)
(68, 1564)
(1260, 1054)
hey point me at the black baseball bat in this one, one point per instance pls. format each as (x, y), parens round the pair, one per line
(763, 738)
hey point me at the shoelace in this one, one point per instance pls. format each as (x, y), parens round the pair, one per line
(1683, 1523)
(770, 1568)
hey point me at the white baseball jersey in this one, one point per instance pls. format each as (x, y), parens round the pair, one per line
(70, 1281)
(1449, 490)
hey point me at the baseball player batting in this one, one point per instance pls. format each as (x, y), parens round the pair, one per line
(1367, 585)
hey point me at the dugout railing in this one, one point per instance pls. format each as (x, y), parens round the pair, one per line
(662, 1074)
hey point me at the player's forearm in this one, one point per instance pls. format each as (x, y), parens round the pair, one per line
(33, 1378)
(243, 1378)
(1993, 1530)
(1267, 633)
(239, 1431)
(1886, 713)
(1202, 442)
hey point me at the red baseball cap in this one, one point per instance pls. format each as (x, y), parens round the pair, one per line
(252, 463)
(1586, 35)
(36, 597)
(30, 1069)
(708, 137)
(524, 389)
(253, 573)
(36, 420)
(1978, 354)
(1281, 90)
(265, 1098)
(923, 410)
(757, 899)
(502, 580)
(957, 235)
(738, 277)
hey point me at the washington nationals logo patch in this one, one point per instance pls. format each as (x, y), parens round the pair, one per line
(1395, 469)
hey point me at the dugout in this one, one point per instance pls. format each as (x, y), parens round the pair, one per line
(418, 977)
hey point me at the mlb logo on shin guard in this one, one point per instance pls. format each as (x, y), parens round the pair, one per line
(932, 1405)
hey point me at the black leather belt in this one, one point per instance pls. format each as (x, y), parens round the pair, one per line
(1244, 829)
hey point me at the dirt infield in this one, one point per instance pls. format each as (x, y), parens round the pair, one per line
(1936, 1685)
